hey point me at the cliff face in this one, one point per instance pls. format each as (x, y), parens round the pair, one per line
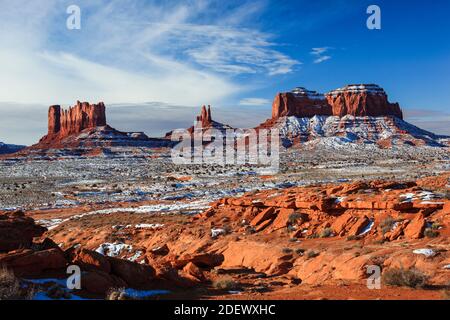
(205, 119)
(301, 103)
(356, 100)
(63, 123)
(362, 100)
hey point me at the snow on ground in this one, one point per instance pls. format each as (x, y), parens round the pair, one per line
(113, 249)
(50, 223)
(149, 226)
(217, 232)
(425, 252)
(367, 228)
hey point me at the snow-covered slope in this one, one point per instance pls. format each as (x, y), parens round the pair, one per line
(383, 131)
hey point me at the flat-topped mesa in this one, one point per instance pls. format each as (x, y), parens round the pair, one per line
(362, 100)
(358, 100)
(63, 123)
(204, 119)
(300, 102)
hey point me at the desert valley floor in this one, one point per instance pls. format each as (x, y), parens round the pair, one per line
(208, 232)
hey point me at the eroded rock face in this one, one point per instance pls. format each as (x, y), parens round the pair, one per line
(301, 103)
(362, 100)
(205, 119)
(356, 100)
(63, 123)
(17, 231)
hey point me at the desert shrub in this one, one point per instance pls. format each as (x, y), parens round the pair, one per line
(326, 233)
(225, 283)
(300, 251)
(435, 226)
(312, 254)
(387, 224)
(400, 277)
(287, 250)
(430, 233)
(294, 218)
(10, 288)
(116, 294)
(446, 294)
(352, 237)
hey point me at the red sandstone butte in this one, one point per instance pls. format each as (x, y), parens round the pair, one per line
(205, 119)
(357, 100)
(63, 123)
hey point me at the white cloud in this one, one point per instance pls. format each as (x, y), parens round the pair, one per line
(130, 51)
(319, 53)
(322, 59)
(254, 102)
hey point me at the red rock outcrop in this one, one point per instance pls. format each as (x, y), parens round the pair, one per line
(362, 100)
(17, 231)
(205, 119)
(63, 123)
(301, 103)
(357, 100)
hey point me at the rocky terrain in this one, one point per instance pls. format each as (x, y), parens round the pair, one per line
(355, 114)
(358, 189)
(274, 243)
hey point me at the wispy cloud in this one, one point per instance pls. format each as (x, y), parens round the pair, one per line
(185, 53)
(254, 102)
(319, 53)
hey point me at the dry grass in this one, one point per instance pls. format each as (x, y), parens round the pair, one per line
(10, 286)
(225, 283)
(400, 277)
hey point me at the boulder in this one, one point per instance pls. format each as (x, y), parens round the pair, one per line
(342, 223)
(193, 272)
(282, 219)
(17, 231)
(99, 282)
(263, 216)
(203, 260)
(415, 228)
(134, 274)
(91, 260)
(32, 263)
(359, 226)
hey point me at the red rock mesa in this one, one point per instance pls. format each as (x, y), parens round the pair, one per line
(357, 100)
(63, 123)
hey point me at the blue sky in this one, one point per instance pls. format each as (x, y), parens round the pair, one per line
(234, 55)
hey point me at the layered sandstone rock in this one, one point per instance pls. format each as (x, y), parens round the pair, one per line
(356, 100)
(63, 123)
(17, 231)
(362, 100)
(301, 103)
(204, 119)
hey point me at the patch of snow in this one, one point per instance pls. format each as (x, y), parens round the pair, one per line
(217, 232)
(426, 252)
(149, 226)
(113, 249)
(136, 256)
(367, 228)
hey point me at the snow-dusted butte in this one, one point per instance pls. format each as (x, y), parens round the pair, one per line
(334, 130)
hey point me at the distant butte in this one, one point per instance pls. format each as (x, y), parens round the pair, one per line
(358, 100)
